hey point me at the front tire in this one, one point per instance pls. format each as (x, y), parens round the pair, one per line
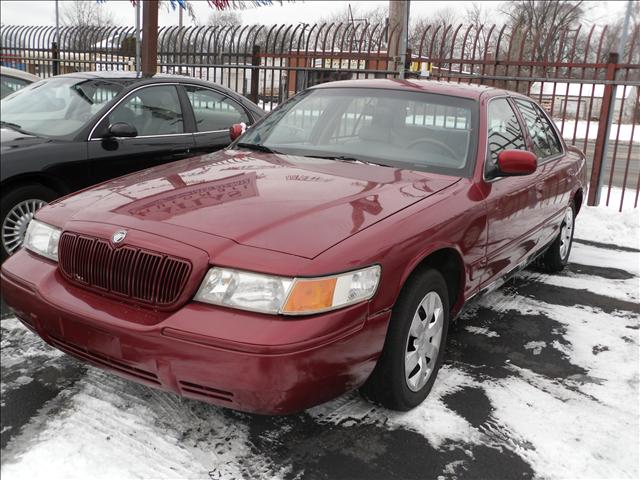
(557, 255)
(17, 209)
(414, 346)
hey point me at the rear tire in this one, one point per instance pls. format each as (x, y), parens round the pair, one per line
(414, 346)
(17, 207)
(557, 255)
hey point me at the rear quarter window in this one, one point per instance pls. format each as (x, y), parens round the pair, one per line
(545, 141)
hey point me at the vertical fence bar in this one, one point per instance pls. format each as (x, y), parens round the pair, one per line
(255, 73)
(55, 57)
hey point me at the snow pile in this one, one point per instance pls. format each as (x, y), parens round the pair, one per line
(606, 224)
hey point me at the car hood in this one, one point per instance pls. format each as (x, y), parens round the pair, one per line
(11, 140)
(285, 203)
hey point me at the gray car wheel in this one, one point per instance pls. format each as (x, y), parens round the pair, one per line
(19, 206)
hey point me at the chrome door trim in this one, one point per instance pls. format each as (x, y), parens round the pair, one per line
(100, 139)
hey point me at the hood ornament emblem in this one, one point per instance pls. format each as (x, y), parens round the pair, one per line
(118, 236)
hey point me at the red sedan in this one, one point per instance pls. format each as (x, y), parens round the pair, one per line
(328, 248)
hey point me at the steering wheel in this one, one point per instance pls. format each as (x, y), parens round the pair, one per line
(437, 143)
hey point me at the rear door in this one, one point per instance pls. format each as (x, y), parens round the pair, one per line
(157, 114)
(552, 183)
(213, 113)
(513, 208)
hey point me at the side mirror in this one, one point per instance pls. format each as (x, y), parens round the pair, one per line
(122, 129)
(236, 130)
(513, 163)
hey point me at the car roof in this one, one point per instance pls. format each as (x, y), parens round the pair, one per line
(162, 78)
(110, 74)
(428, 86)
(21, 74)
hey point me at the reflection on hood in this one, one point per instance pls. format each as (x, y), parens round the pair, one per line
(188, 197)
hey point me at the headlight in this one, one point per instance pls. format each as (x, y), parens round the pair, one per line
(42, 239)
(289, 296)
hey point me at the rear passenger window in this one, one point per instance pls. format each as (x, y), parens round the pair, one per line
(543, 135)
(214, 111)
(504, 132)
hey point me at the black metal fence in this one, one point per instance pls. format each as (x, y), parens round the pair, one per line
(571, 73)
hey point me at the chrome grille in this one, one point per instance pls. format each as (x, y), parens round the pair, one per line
(140, 275)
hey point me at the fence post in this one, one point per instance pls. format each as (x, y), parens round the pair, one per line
(255, 73)
(149, 45)
(55, 57)
(604, 125)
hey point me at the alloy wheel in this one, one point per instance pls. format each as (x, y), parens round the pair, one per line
(566, 234)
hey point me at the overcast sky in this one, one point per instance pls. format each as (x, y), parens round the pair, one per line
(15, 12)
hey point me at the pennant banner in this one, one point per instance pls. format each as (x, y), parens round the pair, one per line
(133, 2)
(243, 4)
(221, 4)
(179, 3)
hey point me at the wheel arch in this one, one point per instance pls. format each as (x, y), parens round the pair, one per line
(48, 181)
(448, 261)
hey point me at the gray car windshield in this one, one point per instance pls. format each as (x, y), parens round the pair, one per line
(405, 129)
(56, 107)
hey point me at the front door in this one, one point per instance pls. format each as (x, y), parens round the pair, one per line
(156, 113)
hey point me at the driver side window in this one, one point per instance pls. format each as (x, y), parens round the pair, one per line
(503, 133)
(152, 110)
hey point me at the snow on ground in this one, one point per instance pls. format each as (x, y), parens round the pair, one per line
(606, 224)
(541, 381)
(267, 106)
(584, 129)
(104, 427)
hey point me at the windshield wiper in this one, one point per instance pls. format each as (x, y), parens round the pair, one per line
(345, 158)
(256, 146)
(14, 126)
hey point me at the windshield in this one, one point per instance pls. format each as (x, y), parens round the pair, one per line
(405, 129)
(56, 107)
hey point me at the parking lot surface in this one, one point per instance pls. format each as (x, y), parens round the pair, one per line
(540, 380)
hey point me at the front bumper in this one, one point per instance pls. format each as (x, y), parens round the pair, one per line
(241, 360)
